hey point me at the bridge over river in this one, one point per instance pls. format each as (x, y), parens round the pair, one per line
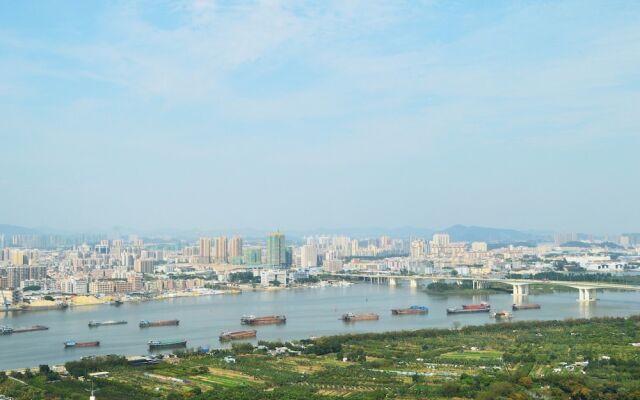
(586, 290)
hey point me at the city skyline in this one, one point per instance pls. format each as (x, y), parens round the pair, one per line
(457, 230)
(190, 114)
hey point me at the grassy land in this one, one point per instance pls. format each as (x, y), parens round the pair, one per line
(573, 359)
(482, 356)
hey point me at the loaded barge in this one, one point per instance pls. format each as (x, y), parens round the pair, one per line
(470, 308)
(410, 311)
(167, 322)
(237, 335)
(73, 343)
(351, 317)
(532, 306)
(165, 344)
(6, 330)
(268, 320)
(95, 324)
(501, 315)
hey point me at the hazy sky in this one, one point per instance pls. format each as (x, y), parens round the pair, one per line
(266, 114)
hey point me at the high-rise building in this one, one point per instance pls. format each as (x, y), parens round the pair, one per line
(479, 246)
(221, 249)
(235, 247)
(355, 247)
(288, 257)
(418, 249)
(17, 274)
(439, 245)
(276, 250)
(19, 258)
(561, 238)
(143, 266)
(385, 242)
(205, 249)
(252, 256)
(440, 239)
(308, 256)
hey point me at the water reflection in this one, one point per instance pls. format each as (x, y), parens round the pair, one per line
(587, 309)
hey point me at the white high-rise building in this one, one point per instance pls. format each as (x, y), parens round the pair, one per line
(355, 247)
(440, 239)
(308, 256)
(479, 246)
(418, 249)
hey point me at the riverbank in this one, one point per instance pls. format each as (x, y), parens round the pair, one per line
(95, 300)
(521, 360)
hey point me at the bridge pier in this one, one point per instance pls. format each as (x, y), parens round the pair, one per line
(393, 282)
(478, 284)
(521, 289)
(586, 294)
(413, 283)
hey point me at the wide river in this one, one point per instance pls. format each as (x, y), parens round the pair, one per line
(309, 312)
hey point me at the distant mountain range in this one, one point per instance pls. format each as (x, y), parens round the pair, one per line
(458, 233)
(6, 229)
(462, 233)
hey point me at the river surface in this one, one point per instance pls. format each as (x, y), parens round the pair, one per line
(309, 312)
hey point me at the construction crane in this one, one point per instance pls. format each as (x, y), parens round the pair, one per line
(5, 302)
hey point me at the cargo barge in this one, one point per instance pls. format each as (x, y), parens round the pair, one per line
(5, 330)
(480, 306)
(351, 317)
(95, 324)
(531, 306)
(237, 335)
(470, 308)
(501, 315)
(73, 343)
(165, 344)
(410, 311)
(167, 322)
(267, 320)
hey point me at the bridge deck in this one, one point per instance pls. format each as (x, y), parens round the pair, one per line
(572, 284)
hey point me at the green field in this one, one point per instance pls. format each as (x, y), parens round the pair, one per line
(480, 356)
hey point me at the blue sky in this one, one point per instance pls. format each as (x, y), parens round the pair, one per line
(300, 115)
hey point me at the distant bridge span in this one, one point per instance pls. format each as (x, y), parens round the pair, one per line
(586, 290)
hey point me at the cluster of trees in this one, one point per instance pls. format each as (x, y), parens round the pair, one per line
(326, 345)
(447, 287)
(356, 355)
(243, 277)
(310, 279)
(92, 364)
(590, 277)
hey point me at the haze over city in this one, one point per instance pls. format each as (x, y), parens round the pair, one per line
(264, 115)
(319, 200)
